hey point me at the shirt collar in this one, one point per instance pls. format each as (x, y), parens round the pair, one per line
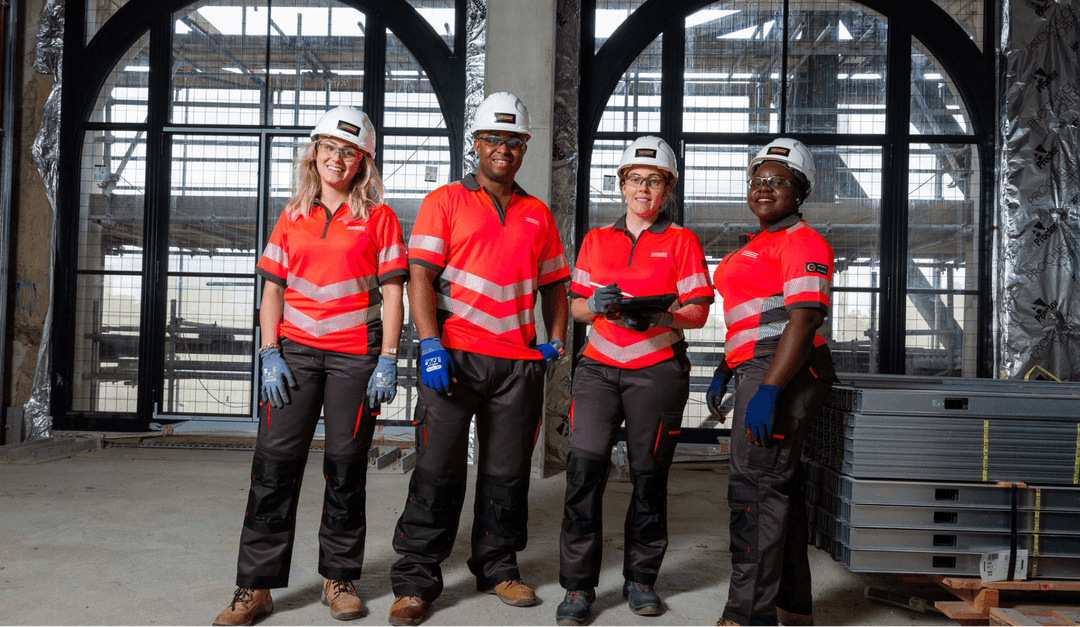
(661, 224)
(470, 183)
(789, 221)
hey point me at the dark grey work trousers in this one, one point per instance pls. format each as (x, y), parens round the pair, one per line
(506, 396)
(766, 493)
(335, 383)
(651, 401)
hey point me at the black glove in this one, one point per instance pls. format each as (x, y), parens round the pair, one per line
(603, 298)
(645, 318)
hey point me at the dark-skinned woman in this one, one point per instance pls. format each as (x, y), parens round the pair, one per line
(330, 319)
(775, 289)
(634, 369)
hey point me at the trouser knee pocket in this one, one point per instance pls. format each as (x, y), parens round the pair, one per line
(744, 524)
(586, 478)
(430, 519)
(502, 513)
(346, 493)
(647, 519)
(275, 487)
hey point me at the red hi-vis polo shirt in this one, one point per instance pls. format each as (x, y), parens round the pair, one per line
(785, 267)
(490, 262)
(331, 267)
(665, 259)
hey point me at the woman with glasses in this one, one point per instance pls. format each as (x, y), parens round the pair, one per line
(330, 322)
(634, 369)
(775, 290)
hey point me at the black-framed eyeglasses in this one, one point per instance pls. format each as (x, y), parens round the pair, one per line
(346, 154)
(513, 143)
(653, 182)
(773, 181)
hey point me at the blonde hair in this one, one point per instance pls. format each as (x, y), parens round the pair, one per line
(366, 191)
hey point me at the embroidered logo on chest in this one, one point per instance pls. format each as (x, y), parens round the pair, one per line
(356, 227)
(533, 220)
(749, 253)
(661, 255)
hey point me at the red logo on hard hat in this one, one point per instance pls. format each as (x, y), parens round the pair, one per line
(506, 118)
(648, 153)
(352, 129)
(779, 150)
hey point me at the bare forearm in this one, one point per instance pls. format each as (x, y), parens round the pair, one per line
(554, 309)
(270, 310)
(422, 301)
(393, 314)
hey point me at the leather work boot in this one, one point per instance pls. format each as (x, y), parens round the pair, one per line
(341, 596)
(246, 606)
(407, 611)
(785, 617)
(514, 592)
(725, 622)
(574, 609)
(643, 599)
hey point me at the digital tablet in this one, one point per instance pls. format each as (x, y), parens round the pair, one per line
(660, 301)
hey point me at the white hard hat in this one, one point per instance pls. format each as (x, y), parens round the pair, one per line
(502, 111)
(347, 123)
(650, 150)
(792, 154)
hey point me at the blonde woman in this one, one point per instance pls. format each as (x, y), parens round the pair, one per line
(330, 319)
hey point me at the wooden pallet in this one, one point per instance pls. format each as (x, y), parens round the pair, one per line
(1013, 616)
(979, 599)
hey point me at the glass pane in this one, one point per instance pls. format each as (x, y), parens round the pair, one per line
(106, 368)
(606, 202)
(732, 76)
(211, 290)
(412, 167)
(837, 60)
(112, 201)
(942, 263)
(610, 14)
(99, 12)
(316, 59)
(968, 14)
(936, 106)
(634, 106)
(440, 14)
(853, 330)
(219, 56)
(123, 97)
(283, 152)
(410, 99)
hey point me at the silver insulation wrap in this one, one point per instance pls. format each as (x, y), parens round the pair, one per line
(1038, 300)
(564, 165)
(476, 24)
(37, 421)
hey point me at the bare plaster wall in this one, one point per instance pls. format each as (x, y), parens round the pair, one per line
(31, 220)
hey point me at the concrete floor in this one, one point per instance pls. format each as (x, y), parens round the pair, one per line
(126, 536)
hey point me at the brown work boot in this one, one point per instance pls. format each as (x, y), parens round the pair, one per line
(341, 596)
(785, 617)
(407, 611)
(514, 592)
(246, 606)
(724, 622)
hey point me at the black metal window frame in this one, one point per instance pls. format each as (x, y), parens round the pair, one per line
(972, 70)
(86, 68)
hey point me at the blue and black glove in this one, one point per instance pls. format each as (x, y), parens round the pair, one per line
(717, 390)
(552, 351)
(276, 378)
(603, 298)
(761, 413)
(382, 386)
(435, 365)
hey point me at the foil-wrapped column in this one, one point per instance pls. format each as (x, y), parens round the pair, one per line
(564, 165)
(1039, 295)
(476, 24)
(37, 421)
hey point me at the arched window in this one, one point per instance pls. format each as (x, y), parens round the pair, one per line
(894, 99)
(180, 124)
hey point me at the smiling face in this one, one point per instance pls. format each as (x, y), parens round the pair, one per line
(773, 204)
(643, 201)
(498, 164)
(334, 170)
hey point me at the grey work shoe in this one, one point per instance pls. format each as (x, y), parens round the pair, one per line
(574, 609)
(643, 599)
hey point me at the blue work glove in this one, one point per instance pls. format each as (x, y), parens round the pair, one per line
(717, 390)
(760, 413)
(603, 298)
(382, 386)
(276, 378)
(552, 351)
(435, 365)
(646, 318)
